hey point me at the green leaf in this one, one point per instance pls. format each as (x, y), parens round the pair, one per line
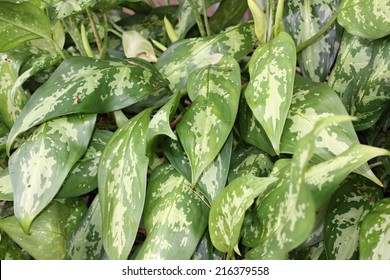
(354, 55)
(20, 23)
(315, 252)
(227, 212)
(86, 85)
(249, 161)
(122, 185)
(229, 13)
(286, 213)
(251, 229)
(86, 243)
(374, 241)
(214, 177)
(6, 192)
(11, 102)
(270, 89)
(82, 178)
(40, 165)
(204, 128)
(302, 20)
(174, 152)
(65, 8)
(312, 102)
(365, 18)
(77, 210)
(47, 240)
(346, 211)
(186, 56)
(135, 45)
(9, 250)
(324, 178)
(175, 217)
(370, 89)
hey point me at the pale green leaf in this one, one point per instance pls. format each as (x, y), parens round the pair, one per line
(86, 85)
(86, 243)
(40, 165)
(6, 192)
(204, 128)
(65, 8)
(346, 211)
(270, 89)
(47, 239)
(365, 18)
(374, 241)
(227, 213)
(135, 45)
(175, 217)
(20, 23)
(186, 56)
(122, 185)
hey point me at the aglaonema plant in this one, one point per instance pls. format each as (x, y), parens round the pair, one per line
(130, 130)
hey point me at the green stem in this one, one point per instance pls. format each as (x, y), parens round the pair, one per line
(197, 18)
(318, 35)
(105, 42)
(206, 20)
(95, 32)
(278, 17)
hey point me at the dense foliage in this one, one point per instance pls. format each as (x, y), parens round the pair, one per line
(130, 130)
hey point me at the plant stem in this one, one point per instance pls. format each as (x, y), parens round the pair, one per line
(206, 20)
(278, 18)
(318, 35)
(95, 32)
(105, 42)
(71, 27)
(197, 18)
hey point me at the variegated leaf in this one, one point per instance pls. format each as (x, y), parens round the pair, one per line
(86, 85)
(206, 251)
(374, 241)
(346, 211)
(302, 20)
(312, 102)
(77, 209)
(227, 213)
(11, 102)
(229, 13)
(6, 192)
(174, 152)
(270, 89)
(186, 56)
(287, 212)
(365, 18)
(315, 252)
(3, 135)
(175, 217)
(249, 161)
(324, 178)
(122, 185)
(251, 230)
(20, 23)
(9, 250)
(213, 178)
(47, 240)
(160, 123)
(82, 178)
(86, 243)
(204, 128)
(251, 130)
(64, 8)
(370, 89)
(354, 55)
(40, 165)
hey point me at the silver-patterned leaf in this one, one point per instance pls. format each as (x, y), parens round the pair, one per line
(40, 165)
(6, 192)
(270, 89)
(86, 85)
(122, 185)
(47, 239)
(312, 102)
(175, 217)
(227, 213)
(82, 178)
(62, 9)
(354, 55)
(365, 18)
(86, 242)
(186, 56)
(374, 241)
(286, 213)
(11, 101)
(204, 128)
(346, 211)
(249, 161)
(302, 20)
